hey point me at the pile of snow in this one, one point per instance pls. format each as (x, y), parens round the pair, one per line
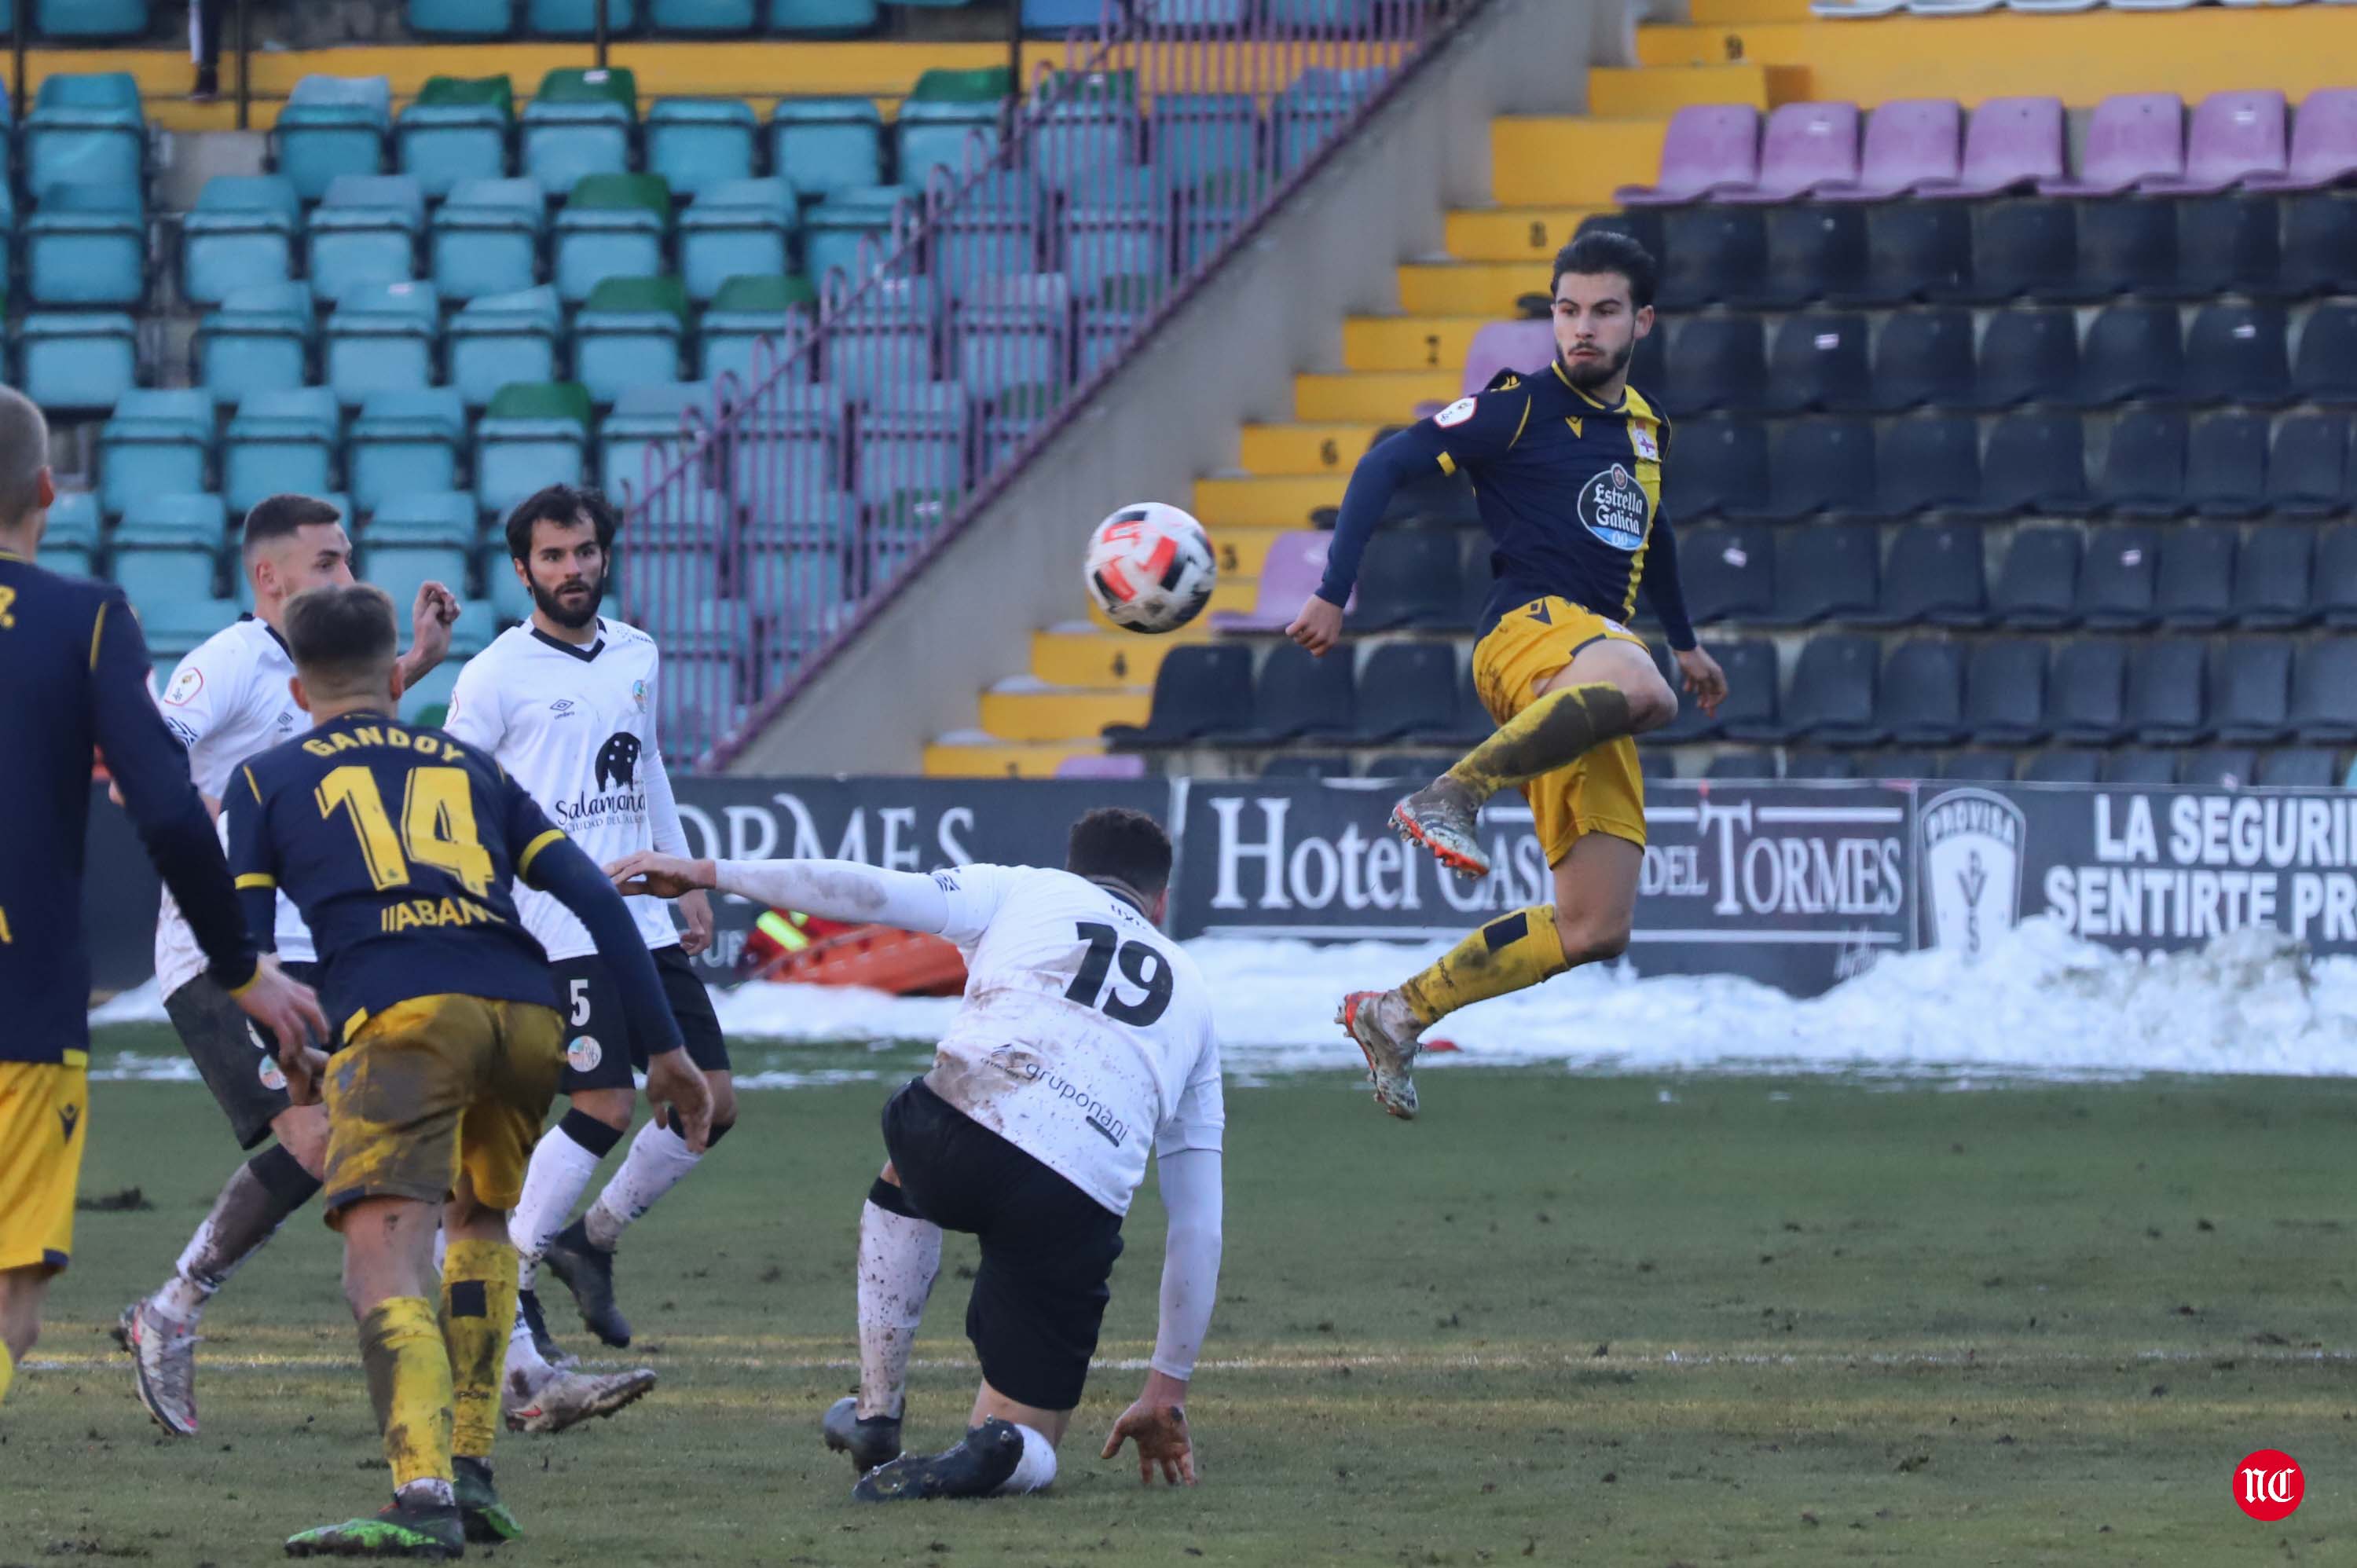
(2041, 1003)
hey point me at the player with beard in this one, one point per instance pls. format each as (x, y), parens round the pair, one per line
(566, 704)
(1566, 469)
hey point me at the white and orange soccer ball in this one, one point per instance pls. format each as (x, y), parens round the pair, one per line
(1150, 569)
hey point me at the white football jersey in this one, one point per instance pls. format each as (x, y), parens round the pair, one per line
(576, 726)
(227, 701)
(1085, 1034)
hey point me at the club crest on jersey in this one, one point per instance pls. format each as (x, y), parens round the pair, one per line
(1613, 507)
(185, 687)
(1642, 442)
(1455, 414)
(584, 1054)
(617, 760)
(639, 694)
(272, 1075)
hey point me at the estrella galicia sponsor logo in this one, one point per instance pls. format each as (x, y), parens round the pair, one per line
(1972, 869)
(1612, 506)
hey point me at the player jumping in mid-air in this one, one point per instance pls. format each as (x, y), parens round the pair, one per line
(1566, 468)
(73, 676)
(1084, 1037)
(566, 704)
(226, 701)
(400, 847)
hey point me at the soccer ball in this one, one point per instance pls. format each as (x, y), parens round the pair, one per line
(1150, 569)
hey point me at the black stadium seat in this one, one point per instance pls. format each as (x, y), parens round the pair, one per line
(2250, 691)
(1747, 763)
(2028, 357)
(2298, 768)
(1298, 696)
(1649, 366)
(1473, 588)
(1409, 767)
(2139, 766)
(1924, 357)
(1642, 224)
(1720, 463)
(1921, 699)
(1889, 763)
(2235, 353)
(1929, 463)
(1728, 571)
(2307, 466)
(2320, 245)
(1806, 763)
(2193, 587)
(1751, 708)
(2038, 584)
(2115, 577)
(1717, 362)
(2133, 353)
(1978, 767)
(1933, 576)
(1832, 700)
(1815, 250)
(2324, 694)
(2063, 765)
(1821, 467)
(1408, 576)
(1199, 689)
(2165, 693)
(1469, 722)
(2127, 247)
(2036, 462)
(2333, 588)
(1919, 251)
(1714, 253)
(1818, 365)
(2271, 577)
(2085, 691)
(2229, 244)
(1827, 572)
(1407, 687)
(2004, 692)
(2326, 368)
(2218, 767)
(2226, 465)
(2025, 248)
(2144, 468)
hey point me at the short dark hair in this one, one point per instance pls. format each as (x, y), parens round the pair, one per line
(278, 517)
(1610, 251)
(1128, 846)
(342, 638)
(566, 504)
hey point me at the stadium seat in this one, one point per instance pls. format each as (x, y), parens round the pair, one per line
(993, 230)
(1921, 696)
(1742, 763)
(1714, 255)
(405, 443)
(2271, 577)
(2298, 768)
(456, 130)
(426, 540)
(2010, 145)
(914, 437)
(704, 16)
(581, 122)
(2230, 245)
(2226, 466)
(615, 225)
(1306, 765)
(1199, 690)
(1927, 464)
(2307, 470)
(1522, 347)
(427, 703)
(851, 232)
(628, 335)
(280, 442)
(1408, 577)
(1821, 467)
(1015, 331)
(576, 19)
(1197, 135)
(747, 311)
(87, 245)
(1978, 767)
(945, 144)
(501, 338)
(2126, 247)
(2063, 765)
(1211, 213)
(1114, 316)
(1917, 251)
(1416, 682)
(460, 19)
(2139, 766)
(1118, 227)
(333, 126)
(1717, 362)
(366, 231)
(1011, 416)
(2028, 355)
(2036, 462)
(2333, 590)
(1831, 699)
(824, 146)
(382, 337)
(86, 130)
(1824, 573)
(240, 231)
(2320, 245)
(1933, 577)
(2115, 577)
(1292, 567)
(1720, 461)
(260, 339)
(2325, 370)
(487, 237)
(885, 338)
(2144, 468)
(1819, 366)
(2132, 138)
(695, 143)
(2235, 354)
(1311, 110)
(790, 444)
(2166, 694)
(2037, 585)
(2085, 693)
(2132, 353)
(2004, 692)
(532, 436)
(1749, 712)
(2324, 694)
(642, 438)
(2233, 137)
(1822, 767)
(1708, 147)
(167, 551)
(1728, 571)
(2193, 587)
(1908, 141)
(154, 443)
(62, 20)
(1299, 696)
(76, 360)
(2024, 248)
(737, 229)
(1804, 146)
(1923, 357)
(69, 541)
(2250, 691)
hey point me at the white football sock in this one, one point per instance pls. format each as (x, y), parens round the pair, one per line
(659, 1157)
(553, 1183)
(523, 1357)
(899, 1256)
(1035, 1469)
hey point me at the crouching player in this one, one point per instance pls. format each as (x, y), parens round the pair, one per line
(401, 847)
(1085, 1035)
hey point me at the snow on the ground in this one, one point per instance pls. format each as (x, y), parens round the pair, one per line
(2041, 1003)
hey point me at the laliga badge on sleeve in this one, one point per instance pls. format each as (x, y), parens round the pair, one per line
(1455, 414)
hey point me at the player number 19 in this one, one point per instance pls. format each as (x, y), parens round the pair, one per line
(437, 824)
(1141, 965)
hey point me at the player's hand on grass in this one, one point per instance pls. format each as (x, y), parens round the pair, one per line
(430, 620)
(286, 1007)
(1318, 627)
(1157, 1421)
(1704, 678)
(696, 909)
(666, 877)
(674, 1081)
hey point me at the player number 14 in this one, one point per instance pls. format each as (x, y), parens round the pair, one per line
(437, 824)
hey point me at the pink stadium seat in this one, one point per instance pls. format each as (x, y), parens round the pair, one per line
(1295, 564)
(2012, 143)
(2234, 135)
(2323, 143)
(1908, 144)
(2135, 138)
(1507, 346)
(1807, 145)
(1707, 146)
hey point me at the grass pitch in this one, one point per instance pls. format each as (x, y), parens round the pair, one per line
(1634, 1320)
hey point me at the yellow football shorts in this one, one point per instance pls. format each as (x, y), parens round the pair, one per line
(434, 1087)
(1604, 791)
(44, 1122)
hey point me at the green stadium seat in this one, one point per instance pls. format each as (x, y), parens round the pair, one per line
(503, 338)
(381, 338)
(487, 238)
(169, 547)
(407, 443)
(628, 335)
(984, 84)
(86, 128)
(240, 231)
(531, 436)
(259, 339)
(281, 441)
(78, 360)
(738, 229)
(828, 144)
(86, 244)
(698, 143)
(154, 443)
(365, 231)
(744, 311)
(615, 226)
(456, 130)
(333, 126)
(580, 123)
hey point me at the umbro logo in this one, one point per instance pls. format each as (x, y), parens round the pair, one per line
(71, 1115)
(564, 707)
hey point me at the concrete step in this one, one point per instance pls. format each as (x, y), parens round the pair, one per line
(1305, 449)
(1383, 397)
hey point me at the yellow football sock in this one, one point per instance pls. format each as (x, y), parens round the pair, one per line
(7, 1372)
(1512, 952)
(479, 1308)
(1551, 733)
(409, 1382)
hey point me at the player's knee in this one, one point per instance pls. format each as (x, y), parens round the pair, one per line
(610, 1106)
(302, 1131)
(1591, 939)
(1652, 704)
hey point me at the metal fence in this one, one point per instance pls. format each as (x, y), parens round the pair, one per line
(958, 318)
